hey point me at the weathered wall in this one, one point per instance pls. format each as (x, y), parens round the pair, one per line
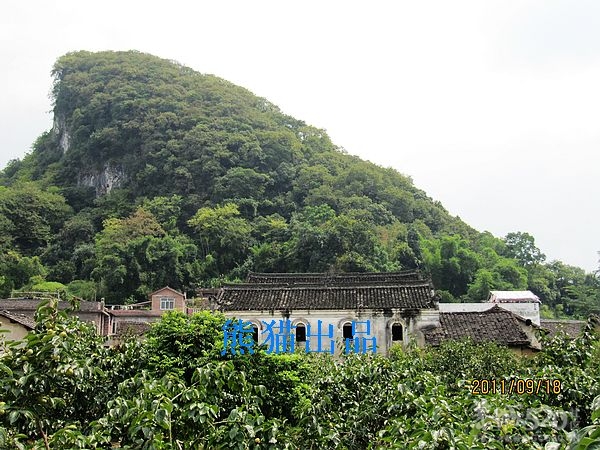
(380, 325)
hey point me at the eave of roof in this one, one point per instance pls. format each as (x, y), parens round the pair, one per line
(27, 321)
(168, 288)
(134, 313)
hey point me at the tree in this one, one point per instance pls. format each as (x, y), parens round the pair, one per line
(30, 215)
(521, 246)
(223, 234)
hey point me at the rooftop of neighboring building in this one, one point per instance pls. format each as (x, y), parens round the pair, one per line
(495, 325)
(22, 319)
(513, 297)
(572, 328)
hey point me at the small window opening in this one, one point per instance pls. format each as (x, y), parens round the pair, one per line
(300, 333)
(255, 333)
(348, 331)
(397, 334)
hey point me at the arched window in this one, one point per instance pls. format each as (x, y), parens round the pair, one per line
(300, 333)
(255, 333)
(397, 333)
(347, 329)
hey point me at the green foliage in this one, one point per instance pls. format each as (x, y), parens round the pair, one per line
(223, 234)
(29, 215)
(62, 375)
(82, 289)
(211, 182)
(465, 360)
(521, 246)
(180, 343)
(62, 388)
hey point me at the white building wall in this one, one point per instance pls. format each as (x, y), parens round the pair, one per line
(380, 325)
(528, 310)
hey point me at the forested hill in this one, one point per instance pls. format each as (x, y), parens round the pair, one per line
(154, 174)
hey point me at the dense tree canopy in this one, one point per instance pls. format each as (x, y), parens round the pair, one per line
(154, 174)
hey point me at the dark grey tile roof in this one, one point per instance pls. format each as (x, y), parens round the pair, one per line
(417, 295)
(572, 328)
(496, 325)
(26, 321)
(335, 279)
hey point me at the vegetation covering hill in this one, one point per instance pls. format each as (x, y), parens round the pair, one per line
(62, 388)
(154, 174)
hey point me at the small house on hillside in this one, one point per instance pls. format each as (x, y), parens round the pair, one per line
(136, 319)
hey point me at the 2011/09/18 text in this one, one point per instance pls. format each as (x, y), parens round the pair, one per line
(517, 386)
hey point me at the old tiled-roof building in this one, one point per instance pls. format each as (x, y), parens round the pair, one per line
(93, 312)
(399, 306)
(334, 279)
(492, 325)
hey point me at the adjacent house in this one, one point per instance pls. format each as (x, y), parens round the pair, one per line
(572, 328)
(136, 319)
(92, 312)
(494, 324)
(14, 327)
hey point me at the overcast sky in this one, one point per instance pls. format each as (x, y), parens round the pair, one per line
(492, 107)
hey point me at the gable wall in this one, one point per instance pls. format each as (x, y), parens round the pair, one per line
(165, 292)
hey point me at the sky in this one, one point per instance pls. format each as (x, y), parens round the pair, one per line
(491, 107)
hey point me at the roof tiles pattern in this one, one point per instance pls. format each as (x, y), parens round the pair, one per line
(495, 325)
(31, 304)
(572, 328)
(22, 319)
(335, 279)
(417, 295)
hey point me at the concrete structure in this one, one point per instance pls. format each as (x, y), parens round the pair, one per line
(524, 304)
(136, 319)
(167, 299)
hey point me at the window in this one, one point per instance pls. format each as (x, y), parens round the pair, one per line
(397, 334)
(300, 333)
(348, 331)
(167, 303)
(255, 333)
